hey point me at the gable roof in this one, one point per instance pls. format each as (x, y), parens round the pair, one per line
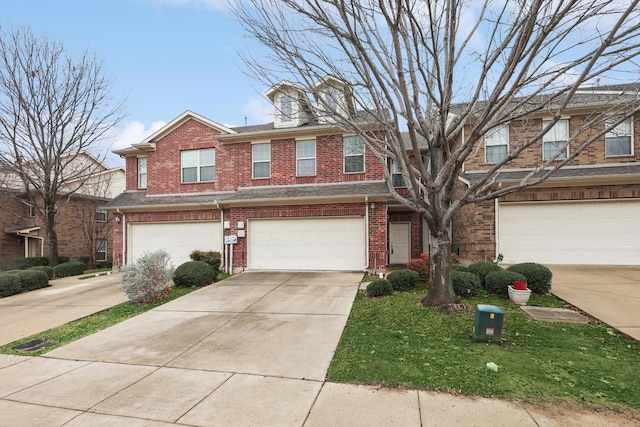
(148, 144)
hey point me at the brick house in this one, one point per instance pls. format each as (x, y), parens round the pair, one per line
(300, 194)
(82, 224)
(586, 213)
(296, 193)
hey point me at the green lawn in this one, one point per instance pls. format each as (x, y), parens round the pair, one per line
(395, 341)
(80, 328)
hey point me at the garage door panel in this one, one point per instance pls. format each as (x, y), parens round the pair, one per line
(179, 239)
(604, 232)
(307, 244)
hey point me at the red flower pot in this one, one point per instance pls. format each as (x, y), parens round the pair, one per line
(519, 285)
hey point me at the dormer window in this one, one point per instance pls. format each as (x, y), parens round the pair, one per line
(291, 105)
(334, 99)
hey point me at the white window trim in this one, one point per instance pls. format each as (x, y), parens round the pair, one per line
(487, 143)
(631, 141)
(253, 162)
(32, 211)
(315, 160)
(395, 170)
(106, 255)
(101, 212)
(145, 173)
(344, 156)
(544, 124)
(198, 167)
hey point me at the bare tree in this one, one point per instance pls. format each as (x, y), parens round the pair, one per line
(54, 107)
(436, 76)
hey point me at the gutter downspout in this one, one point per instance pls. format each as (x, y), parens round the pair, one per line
(124, 221)
(366, 231)
(224, 260)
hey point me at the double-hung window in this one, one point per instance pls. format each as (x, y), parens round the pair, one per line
(101, 215)
(198, 165)
(353, 155)
(555, 139)
(261, 159)
(396, 175)
(101, 249)
(306, 158)
(142, 172)
(286, 108)
(496, 143)
(618, 141)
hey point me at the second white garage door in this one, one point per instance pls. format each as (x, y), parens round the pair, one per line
(307, 244)
(179, 239)
(602, 232)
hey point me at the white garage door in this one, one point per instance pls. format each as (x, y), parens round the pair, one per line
(179, 239)
(307, 244)
(604, 232)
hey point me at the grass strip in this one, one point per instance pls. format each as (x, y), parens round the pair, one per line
(81, 328)
(394, 341)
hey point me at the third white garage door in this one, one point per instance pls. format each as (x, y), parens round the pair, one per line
(306, 244)
(602, 232)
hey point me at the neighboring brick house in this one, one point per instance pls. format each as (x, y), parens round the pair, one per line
(586, 213)
(81, 223)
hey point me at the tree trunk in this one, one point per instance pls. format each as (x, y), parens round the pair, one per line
(440, 287)
(52, 238)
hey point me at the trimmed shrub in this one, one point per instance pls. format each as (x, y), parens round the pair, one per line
(213, 258)
(63, 259)
(32, 261)
(33, 279)
(71, 268)
(10, 284)
(104, 264)
(465, 284)
(483, 268)
(459, 267)
(148, 279)
(420, 266)
(86, 259)
(194, 273)
(498, 282)
(403, 280)
(13, 271)
(379, 287)
(45, 268)
(538, 276)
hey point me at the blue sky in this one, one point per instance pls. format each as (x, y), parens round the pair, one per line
(166, 57)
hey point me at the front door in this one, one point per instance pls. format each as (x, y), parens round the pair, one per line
(399, 248)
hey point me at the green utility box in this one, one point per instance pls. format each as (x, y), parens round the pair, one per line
(488, 325)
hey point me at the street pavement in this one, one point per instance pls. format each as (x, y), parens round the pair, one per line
(252, 350)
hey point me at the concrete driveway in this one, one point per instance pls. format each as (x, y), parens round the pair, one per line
(67, 299)
(608, 293)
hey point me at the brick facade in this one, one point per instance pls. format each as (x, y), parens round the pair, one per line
(75, 225)
(474, 225)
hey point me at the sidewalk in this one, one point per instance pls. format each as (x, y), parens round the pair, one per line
(250, 351)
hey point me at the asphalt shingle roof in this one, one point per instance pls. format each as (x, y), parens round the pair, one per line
(612, 171)
(140, 199)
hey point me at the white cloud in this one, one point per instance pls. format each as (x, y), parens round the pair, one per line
(133, 133)
(258, 111)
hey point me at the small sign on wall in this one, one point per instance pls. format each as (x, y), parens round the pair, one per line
(231, 239)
